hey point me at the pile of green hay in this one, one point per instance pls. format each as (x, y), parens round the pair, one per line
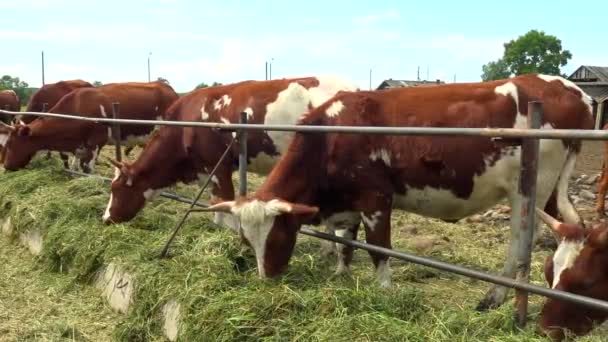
(214, 278)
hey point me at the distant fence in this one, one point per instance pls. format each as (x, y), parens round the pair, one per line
(527, 138)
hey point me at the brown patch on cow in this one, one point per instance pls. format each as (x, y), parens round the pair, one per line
(51, 94)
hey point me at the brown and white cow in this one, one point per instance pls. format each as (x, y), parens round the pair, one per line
(143, 101)
(185, 154)
(9, 100)
(51, 94)
(345, 178)
(580, 266)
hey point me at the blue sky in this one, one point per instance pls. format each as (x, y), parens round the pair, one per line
(204, 41)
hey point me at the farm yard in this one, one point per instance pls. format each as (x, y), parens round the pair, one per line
(432, 169)
(214, 282)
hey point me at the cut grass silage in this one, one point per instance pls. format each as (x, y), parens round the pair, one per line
(214, 279)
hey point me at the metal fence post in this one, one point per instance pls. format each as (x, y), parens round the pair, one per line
(116, 130)
(242, 134)
(44, 107)
(527, 189)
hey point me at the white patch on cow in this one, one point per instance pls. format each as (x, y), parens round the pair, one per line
(106, 215)
(249, 112)
(158, 118)
(381, 154)
(372, 220)
(204, 114)
(564, 258)
(103, 111)
(588, 100)
(384, 272)
(262, 163)
(293, 103)
(334, 109)
(3, 139)
(257, 219)
(224, 120)
(327, 88)
(110, 137)
(150, 194)
(492, 185)
(156, 109)
(509, 89)
(222, 102)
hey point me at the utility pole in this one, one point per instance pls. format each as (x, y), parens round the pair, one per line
(454, 78)
(270, 69)
(427, 72)
(149, 54)
(266, 74)
(418, 74)
(42, 67)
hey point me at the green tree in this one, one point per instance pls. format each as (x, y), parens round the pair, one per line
(205, 85)
(534, 52)
(495, 70)
(97, 83)
(14, 83)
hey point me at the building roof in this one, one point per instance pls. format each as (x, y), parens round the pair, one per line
(390, 83)
(597, 90)
(600, 72)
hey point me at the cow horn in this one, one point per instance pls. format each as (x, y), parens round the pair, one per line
(550, 221)
(224, 207)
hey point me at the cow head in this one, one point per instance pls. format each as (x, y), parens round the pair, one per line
(580, 266)
(269, 228)
(129, 193)
(19, 147)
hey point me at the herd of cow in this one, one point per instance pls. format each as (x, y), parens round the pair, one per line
(341, 180)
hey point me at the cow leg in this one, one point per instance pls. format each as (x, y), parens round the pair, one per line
(498, 294)
(65, 158)
(346, 225)
(87, 160)
(223, 190)
(378, 232)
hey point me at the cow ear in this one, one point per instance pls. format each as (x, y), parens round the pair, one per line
(24, 131)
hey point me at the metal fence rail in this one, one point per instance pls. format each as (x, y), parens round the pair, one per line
(526, 137)
(431, 131)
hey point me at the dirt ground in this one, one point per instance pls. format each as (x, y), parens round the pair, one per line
(590, 160)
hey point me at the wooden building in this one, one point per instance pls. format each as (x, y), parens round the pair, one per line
(594, 81)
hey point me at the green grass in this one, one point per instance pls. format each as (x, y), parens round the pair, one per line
(214, 278)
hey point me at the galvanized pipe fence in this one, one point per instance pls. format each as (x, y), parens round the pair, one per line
(527, 138)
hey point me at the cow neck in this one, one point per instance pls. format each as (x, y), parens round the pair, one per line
(159, 162)
(51, 133)
(300, 174)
